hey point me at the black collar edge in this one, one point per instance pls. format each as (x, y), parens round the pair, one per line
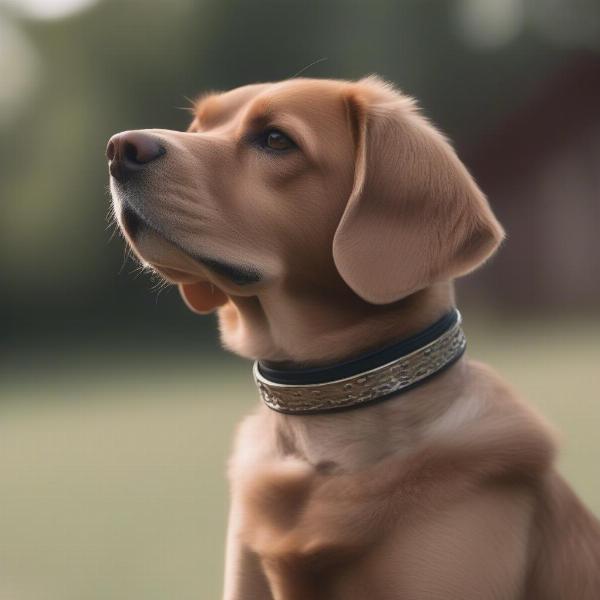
(360, 364)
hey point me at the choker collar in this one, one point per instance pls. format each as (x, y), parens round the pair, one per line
(366, 379)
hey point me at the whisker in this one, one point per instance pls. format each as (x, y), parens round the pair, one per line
(160, 284)
(191, 108)
(127, 255)
(312, 64)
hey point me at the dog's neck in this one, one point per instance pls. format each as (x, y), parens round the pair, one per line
(355, 439)
(296, 331)
(293, 332)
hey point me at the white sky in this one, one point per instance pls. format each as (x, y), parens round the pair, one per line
(48, 9)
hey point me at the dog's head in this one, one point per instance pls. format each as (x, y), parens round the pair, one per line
(312, 186)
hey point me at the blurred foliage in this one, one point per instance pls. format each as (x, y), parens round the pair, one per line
(130, 64)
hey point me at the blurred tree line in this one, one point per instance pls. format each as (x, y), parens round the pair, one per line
(126, 64)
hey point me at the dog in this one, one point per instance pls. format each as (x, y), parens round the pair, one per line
(325, 222)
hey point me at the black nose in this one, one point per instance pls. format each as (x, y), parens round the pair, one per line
(131, 151)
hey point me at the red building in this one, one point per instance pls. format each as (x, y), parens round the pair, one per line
(541, 171)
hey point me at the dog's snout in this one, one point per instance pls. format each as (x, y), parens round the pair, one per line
(131, 151)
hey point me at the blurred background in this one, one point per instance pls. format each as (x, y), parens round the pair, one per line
(117, 407)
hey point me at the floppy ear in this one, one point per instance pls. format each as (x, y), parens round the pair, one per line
(415, 215)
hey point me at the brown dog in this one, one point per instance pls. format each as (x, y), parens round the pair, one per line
(325, 220)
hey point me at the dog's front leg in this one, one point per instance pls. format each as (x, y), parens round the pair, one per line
(244, 575)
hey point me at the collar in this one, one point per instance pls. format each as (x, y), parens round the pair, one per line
(366, 379)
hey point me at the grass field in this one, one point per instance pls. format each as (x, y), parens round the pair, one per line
(112, 473)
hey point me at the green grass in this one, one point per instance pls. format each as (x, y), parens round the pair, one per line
(112, 480)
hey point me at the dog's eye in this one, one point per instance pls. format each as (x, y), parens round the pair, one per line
(275, 140)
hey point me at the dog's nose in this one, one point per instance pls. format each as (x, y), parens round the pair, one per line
(131, 151)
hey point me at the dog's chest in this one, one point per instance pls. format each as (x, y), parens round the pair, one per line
(302, 539)
(315, 532)
(318, 533)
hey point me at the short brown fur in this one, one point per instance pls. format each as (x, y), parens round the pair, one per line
(446, 492)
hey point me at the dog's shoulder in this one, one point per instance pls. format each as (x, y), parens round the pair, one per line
(294, 513)
(294, 508)
(565, 543)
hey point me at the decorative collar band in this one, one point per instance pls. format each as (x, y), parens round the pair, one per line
(366, 379)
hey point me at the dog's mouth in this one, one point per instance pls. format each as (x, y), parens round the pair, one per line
(172, 262)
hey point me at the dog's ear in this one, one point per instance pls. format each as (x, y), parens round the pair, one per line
(415, 216)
